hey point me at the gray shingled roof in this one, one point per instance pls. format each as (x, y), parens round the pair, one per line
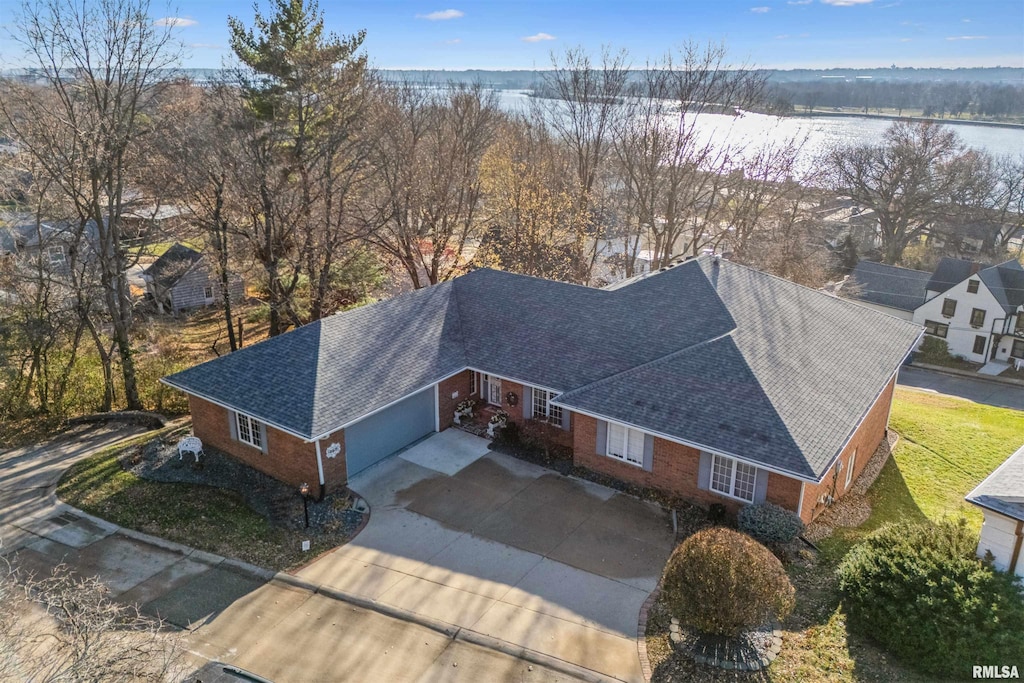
(949, 272)
(172, 264)
(891, 286)
(1003, 490)
(722, 356)
(785, 389)
(1006, 282)
(332, 371)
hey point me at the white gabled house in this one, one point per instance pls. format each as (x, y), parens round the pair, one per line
(979, 312)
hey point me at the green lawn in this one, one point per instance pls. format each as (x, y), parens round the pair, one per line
(947, 447)
(211, 519)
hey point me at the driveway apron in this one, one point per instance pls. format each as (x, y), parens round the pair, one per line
(506, 549)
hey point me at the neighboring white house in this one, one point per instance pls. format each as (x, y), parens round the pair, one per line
(978, 311)
(1001, 498)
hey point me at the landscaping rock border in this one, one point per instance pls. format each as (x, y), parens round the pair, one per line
(340, 513)
(750, 651)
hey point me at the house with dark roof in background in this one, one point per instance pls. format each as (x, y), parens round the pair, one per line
(180, 279)
(708, 380)
(977, 310)
(1001, 498)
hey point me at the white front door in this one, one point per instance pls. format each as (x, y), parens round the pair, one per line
(493, 390)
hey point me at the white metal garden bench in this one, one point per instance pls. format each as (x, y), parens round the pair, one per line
(190, 444)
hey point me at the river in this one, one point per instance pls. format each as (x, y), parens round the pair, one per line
(752, 131)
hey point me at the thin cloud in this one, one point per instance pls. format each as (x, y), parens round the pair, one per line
(205, 46)
(846, 3)
(784, 36)
(906, 40)
(537, 37)
(799, 2)
(966, 21)
(453, 41)
(442, 15)
(175, 21)
(967, 38)
(760, 10)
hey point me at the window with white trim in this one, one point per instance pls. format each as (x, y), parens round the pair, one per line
(208, 292)
(56, 254)
(849, 469)
(625, 444)
(249, 430)
(733, 478)
(542, 408)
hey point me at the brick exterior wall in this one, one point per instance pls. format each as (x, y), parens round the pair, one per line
(563, 437)
(288, 458)
(866, 440)
(675, 466)
(335, 469)
(461, 383)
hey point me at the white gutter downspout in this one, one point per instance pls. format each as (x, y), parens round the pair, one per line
(319, 464)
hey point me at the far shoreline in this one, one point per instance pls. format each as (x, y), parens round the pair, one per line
(894, 117)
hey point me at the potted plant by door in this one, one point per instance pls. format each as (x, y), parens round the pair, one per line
(464, 409)
(497, 421)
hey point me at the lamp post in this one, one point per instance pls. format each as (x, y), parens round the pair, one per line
(304, 492)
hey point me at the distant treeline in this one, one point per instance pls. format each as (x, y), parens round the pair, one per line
(942, 98)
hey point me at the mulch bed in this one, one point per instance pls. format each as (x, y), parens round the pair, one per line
(276, 501)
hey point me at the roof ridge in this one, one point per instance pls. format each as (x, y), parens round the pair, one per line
(889, 265)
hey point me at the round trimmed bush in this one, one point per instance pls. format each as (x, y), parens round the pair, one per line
(722, 582)
(769, 523)
(919, 590)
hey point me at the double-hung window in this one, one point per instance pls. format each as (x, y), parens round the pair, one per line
(625, 444)
(977, 317)
(733, 478)
(56, 254)
(948, 308)
(249, 430)
(542, 407)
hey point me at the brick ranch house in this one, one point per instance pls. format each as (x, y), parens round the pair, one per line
(707, 380)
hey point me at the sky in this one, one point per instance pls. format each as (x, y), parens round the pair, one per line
(522, 34)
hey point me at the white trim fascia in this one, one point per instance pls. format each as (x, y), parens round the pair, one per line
(319, 462)
(800, 503)
(692, 444)
(387, 405)
(215, 402)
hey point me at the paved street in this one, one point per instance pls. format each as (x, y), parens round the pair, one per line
(977, 390)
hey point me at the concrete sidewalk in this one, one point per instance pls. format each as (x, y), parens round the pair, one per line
(277, 626)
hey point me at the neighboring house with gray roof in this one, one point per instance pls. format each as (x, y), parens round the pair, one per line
(980, 315)
(889, 289)
(180, 279)
(1001, 498)
(707, 380)
(978, 310)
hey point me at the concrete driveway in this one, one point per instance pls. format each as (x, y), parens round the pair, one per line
(508, 550)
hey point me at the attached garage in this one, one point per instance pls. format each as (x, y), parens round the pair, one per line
(377, 436)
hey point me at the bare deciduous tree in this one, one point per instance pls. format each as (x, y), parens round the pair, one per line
(101, 62)
(428, 145)
(64, 628)
(907, 180)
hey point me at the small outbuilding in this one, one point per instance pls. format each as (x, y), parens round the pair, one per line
(181, 279)
(1001, 498)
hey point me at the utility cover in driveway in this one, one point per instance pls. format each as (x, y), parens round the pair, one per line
(374, 438)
